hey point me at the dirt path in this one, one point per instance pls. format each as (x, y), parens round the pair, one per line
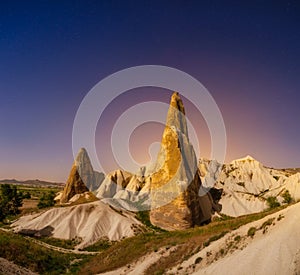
(55, 248)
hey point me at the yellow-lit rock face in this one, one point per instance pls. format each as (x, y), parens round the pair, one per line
(175, 203)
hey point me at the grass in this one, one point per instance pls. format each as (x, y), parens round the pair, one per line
(144, 217)
(187, 242)
(39, 259)
(99, 246)
(37, 192)
(214, 238)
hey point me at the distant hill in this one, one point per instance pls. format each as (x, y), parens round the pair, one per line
(291, 171)
(36, 182)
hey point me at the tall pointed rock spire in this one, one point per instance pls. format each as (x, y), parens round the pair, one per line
(175, 184)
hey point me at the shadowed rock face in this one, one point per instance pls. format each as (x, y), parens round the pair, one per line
(82, 177)
(91, 178)
(74, 185)
(176, 183)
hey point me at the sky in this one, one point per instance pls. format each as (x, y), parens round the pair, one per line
(52, 53)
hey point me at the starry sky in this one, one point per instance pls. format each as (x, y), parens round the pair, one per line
(246, 53)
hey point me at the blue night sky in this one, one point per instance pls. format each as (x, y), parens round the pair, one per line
(53, 52)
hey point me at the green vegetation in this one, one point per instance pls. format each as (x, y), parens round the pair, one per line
(144, 217)
(272, 202)
(26, 195)
(267, 223)
(287, 198)
(237, 238)
(39, 259)
(36, 192)
(10, 201)
(47, 200)
(99, 246)
(276, 177)
(251, 232)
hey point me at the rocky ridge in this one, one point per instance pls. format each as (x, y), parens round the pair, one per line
(247, 184)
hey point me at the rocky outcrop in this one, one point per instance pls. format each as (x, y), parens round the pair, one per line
(92, 179)
(74, 185)
(82, 177)
(247, 184)
(175, 184)
(126, 190)
(113, 182)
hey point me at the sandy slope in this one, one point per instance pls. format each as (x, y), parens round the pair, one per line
(89, 222)
(274, 249)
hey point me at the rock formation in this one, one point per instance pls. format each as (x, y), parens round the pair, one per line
(126, 190)
(175, 184)
(113, 182)
(92, 179)
(247, 184)
(82, 177)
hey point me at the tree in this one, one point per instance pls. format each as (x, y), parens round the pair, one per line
(273, 202)
(287, 198)
(10, 201)
(47, 200)
(26, 195)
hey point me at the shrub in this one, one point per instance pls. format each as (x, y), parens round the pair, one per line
(272, 202)
(267, 223)
(237, 238)
(251, 232)
(47, 200)
(198, 260)
(280, 217)
(287, 198)
(27, 195)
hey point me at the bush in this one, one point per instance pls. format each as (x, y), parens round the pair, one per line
(272, 202)
(237, 238)
(287, 198)
(251, 232)
(27, 195)
(47, 200)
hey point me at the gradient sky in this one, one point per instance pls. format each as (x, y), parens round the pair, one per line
(53, 52)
